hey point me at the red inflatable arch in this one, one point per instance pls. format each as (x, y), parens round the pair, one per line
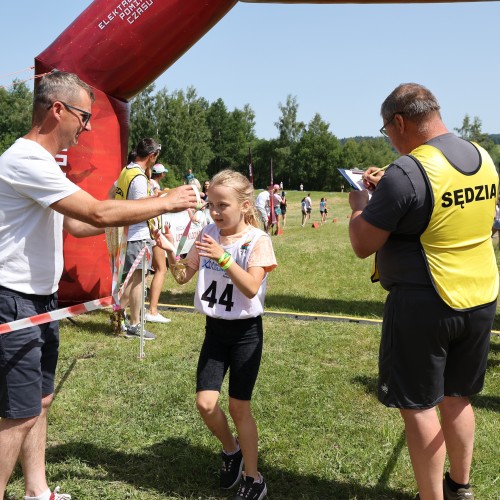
(119, 48)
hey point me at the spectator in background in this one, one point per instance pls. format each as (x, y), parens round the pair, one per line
(277, 209)
(159, 261)
(308, 206)
(204, 193)
(322, 210)
(157, 174)
(134, 184)
(262, 204)
(188, 178)
(283, 206)
(303, 210)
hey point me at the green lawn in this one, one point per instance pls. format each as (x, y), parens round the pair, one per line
(125, 428)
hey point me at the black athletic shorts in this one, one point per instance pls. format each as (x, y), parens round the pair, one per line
(429, 350)
(28, 357)
(234, 344)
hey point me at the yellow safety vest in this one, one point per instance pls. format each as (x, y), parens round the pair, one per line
(457, 240)
(127, 175)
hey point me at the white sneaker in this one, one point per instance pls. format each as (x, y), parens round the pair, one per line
(55, 495)
(157, 318)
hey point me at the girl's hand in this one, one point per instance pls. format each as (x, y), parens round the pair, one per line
(208, 247)
(164, 241)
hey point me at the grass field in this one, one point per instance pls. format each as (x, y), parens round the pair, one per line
(124, 428)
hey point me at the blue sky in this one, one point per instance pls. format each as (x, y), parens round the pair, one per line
(340, 61)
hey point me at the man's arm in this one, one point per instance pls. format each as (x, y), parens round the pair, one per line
(80, 229)
(107, 213)
(366, 239)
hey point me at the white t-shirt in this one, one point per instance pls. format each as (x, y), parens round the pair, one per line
(262, 200)
(31, 246)
(138, 190)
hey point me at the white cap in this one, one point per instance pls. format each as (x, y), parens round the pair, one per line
(159, 169)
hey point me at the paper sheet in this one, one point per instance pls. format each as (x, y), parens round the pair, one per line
(354, 177)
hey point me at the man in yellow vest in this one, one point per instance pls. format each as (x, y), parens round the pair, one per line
(428, 223)
(133, 184)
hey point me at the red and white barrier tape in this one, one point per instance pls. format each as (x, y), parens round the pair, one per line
(47, 317)
(71, 311)
(92, 305)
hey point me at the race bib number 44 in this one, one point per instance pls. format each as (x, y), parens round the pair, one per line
(225, 299)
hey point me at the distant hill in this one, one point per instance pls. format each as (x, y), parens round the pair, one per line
(495, 138)
(358, 138)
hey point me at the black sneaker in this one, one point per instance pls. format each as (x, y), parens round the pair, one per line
(461, 494)
(230, 471)
(248, 490)
(134, 332)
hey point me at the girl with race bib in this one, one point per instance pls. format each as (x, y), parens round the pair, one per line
(233, 258)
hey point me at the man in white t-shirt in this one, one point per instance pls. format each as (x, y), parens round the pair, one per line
(36, 202)
(263, 207)
(159, 261)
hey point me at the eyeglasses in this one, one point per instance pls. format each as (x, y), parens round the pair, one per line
(383, 130)
(85, 115)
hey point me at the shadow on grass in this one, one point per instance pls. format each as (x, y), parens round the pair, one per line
(176, 468)
(101, 327)
(491, 403)
(494, 347)
(370, 384)
(492, 364)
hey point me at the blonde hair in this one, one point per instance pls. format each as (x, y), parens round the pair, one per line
(242, 187)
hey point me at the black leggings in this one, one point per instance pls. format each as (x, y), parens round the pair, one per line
(237, 345)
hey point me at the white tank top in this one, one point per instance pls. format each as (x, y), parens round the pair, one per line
(216, 295)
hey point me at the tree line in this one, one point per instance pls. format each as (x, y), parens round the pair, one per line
(208, 137)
